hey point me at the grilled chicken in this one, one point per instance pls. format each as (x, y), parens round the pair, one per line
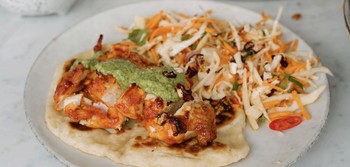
(162, 125)
(70, 83)
(97, 101)
(131, 102)
(199, 117)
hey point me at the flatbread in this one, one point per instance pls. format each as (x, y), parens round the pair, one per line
(132, 147)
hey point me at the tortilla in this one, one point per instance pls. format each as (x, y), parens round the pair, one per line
(133, 147)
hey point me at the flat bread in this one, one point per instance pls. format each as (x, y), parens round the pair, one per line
(133, 147)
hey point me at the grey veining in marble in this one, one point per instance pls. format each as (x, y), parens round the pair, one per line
(22, 39)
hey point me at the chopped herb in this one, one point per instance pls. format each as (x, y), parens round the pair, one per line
(185, 37)
(193, 47)
(232, 43)
(261, 119)
(283, 84)
(293, 80)
(139, 36)
(87, 63)
(235, 85)
(275, 74)
(248, 54)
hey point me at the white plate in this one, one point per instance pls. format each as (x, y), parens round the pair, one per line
(268, 148)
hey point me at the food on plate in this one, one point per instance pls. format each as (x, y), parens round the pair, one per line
(177, 91)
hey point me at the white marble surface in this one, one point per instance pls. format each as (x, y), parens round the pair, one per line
(22, 39)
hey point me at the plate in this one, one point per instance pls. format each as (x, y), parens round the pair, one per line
(268, 148)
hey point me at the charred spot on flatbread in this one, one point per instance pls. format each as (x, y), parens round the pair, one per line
(190, 146)
(78, 126)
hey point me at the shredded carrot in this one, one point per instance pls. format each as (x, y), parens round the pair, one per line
(288, 45)
(292, 66)
(164, 37)
(160, 31)
(273, 86)
(295, 45)
(271, 104)
(264, 18)
(301, 66)
(229, 48)
(154, 21)
(188, 49)
(181, 59)
(206, 19)
(175, 29)
(271, 79)
(298, 89)
(278, 115)
(184, 15)
(167, 19)
(209, 12)
(285, 103)
(153, 34)
(197, 25)
(154, 55)
(210, 30)
(224, 56)
(282, 46)
(302, 108)
(220, 78)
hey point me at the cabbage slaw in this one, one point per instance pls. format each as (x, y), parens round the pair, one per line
(263, 74)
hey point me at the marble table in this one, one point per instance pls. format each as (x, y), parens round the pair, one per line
(22, 39)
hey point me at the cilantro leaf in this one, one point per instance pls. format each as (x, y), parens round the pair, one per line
(235, 85)
(139, 36)
(185, 37)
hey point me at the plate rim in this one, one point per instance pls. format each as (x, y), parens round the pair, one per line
(65, 162)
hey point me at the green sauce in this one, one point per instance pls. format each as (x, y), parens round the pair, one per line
(151, 80)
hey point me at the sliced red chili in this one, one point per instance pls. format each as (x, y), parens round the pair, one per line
(285, 123)
(235, 100)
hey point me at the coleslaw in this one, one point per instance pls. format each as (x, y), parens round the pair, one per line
(250, 63)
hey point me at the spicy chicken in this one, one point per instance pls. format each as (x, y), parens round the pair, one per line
(115, 86)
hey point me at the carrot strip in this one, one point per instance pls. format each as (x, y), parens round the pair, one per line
(264, 18)
(181, 59)
(302, 108)
(301, 66)
(154, 21)
(273, 86)
(271, 104)
(224, 56)
(184, 15)
(160, 31)
(210, 30)
(271, 80)
(278, 115)
(154, 55)
(295, 45)
(229, 48)
(220, 78)
(153, 34)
